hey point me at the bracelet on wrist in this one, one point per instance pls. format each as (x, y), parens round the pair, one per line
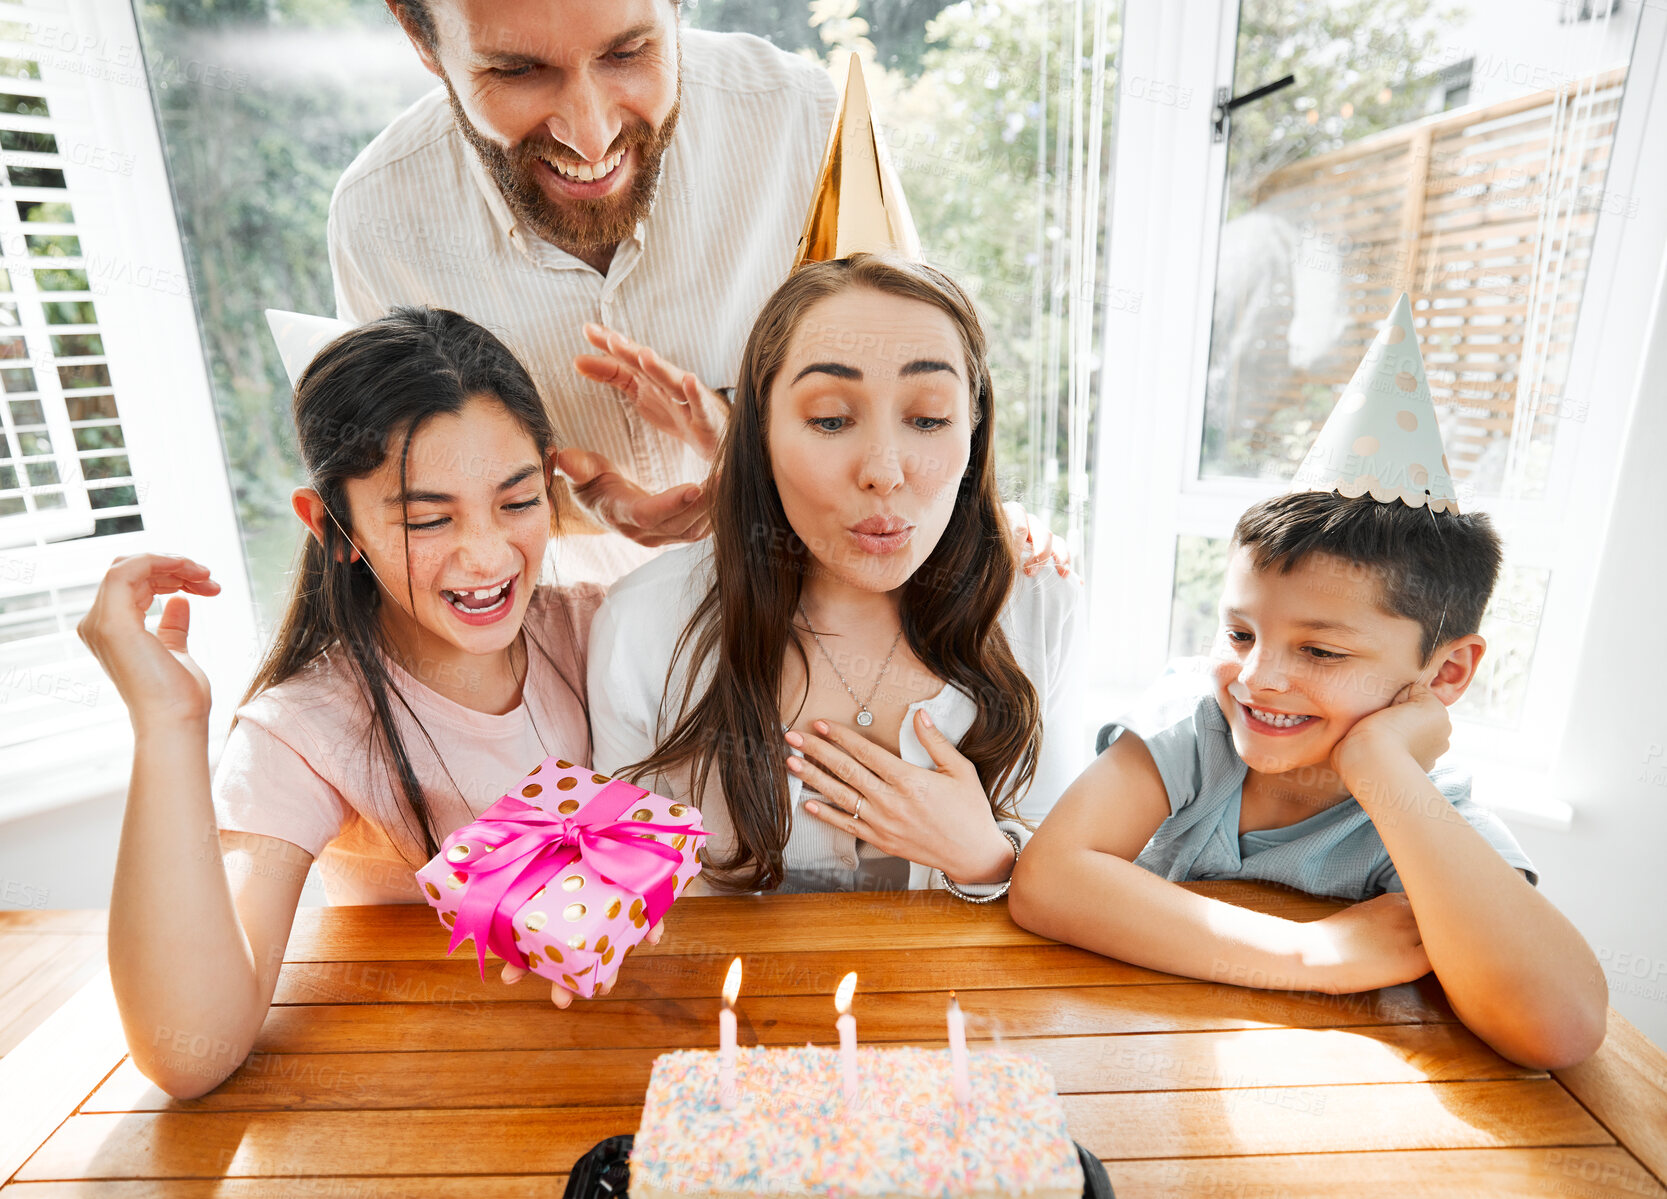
(949, 883)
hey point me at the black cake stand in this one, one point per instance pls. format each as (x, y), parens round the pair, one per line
(605, 1172)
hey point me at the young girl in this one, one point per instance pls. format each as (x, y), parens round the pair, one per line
(419, 668)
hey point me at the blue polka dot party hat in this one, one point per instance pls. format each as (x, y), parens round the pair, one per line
(1382, 438)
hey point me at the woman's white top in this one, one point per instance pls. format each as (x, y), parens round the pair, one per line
(636, 631)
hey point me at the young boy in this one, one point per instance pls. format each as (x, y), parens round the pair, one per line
(1348, 627)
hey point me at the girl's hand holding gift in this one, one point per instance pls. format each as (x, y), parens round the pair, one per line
(560, 995)
(154, 672)
(940, 818)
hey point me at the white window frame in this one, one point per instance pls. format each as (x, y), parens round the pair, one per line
(90, 56)
(1165, 219)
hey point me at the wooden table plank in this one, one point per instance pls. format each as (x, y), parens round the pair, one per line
(1603, 1172)
(795, 1019)
(682, 977)
(86, 921)
(55, 1067)
(611, 1077)
(1449, 1115)
(272, 1144)
(474, 1186)
(721, 926)
(1133, 1124)
(1624, 1084)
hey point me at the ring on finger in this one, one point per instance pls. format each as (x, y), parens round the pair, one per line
(856, 812)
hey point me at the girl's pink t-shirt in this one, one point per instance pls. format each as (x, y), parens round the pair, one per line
(301, 764)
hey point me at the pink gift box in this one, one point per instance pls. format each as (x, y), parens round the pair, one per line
(565, 874)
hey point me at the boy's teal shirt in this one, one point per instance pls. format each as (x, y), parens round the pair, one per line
(1336, 851)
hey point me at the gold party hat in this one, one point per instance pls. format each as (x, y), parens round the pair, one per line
(858, 204)
(1382, 438)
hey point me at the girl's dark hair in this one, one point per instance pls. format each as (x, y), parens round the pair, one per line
(363, 397)
(744, 628)
(1436, 568)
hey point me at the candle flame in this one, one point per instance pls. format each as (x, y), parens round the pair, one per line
(732, 983)
(954, 1002)
(842, 997)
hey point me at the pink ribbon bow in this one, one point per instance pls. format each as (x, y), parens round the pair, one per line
(529, 846)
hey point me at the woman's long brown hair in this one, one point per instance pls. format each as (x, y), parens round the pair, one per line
(743, 628)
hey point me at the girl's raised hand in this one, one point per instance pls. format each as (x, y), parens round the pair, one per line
(153, 671)
(560, 995)
(939, 817)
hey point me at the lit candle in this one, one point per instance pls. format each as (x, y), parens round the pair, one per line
(847, 1025)
(726, 1036)
(961, 1084)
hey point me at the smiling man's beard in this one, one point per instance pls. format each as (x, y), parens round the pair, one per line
(577, 226)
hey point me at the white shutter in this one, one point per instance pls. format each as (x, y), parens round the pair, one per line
(107, 437)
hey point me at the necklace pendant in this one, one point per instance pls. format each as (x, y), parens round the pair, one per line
(865, 718)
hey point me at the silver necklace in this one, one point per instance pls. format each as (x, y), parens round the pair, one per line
(864, 716)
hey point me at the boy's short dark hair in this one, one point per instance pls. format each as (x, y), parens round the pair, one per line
(1436, 567)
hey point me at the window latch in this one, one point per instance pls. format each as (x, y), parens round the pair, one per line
(1225, 106)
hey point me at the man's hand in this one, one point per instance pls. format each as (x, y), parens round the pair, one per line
(1034, 542)
(676, 514)
(669, 397)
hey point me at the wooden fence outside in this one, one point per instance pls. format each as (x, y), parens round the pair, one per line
(1485, 215)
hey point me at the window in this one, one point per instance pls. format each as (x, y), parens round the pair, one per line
(1484, 167)
(106, 443)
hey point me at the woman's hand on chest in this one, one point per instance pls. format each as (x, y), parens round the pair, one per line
(939, 818)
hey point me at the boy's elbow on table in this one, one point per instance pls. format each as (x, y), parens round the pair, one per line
(1560, 1038)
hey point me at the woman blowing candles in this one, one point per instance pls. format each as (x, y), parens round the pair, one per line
(418, 666)
(852, 678)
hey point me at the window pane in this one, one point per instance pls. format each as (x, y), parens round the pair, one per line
(56, 280)
(54, 212)
(88, 374)
(10, 505)
(8, 478)
(53, 245)
(1397, 163)
(116, 466)
(35, 176)
(1200, 568)
(28, 141)
(99, 437)
(75, 345)
(24, 106)
(42, 474)
(102, 407)
(8, 315)
(70, 312)
(49, 500)
(132, 523)
(13, 347)
(20, 68)
(113, 497)
(27, 412)
(18, 378)
(34, 443)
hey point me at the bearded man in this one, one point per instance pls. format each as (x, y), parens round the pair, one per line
(592, 180)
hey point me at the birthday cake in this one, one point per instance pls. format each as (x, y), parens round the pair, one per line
(790, 1131)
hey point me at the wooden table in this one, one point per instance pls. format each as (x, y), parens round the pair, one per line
(386, 1070)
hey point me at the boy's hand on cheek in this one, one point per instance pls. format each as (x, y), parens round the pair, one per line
(1415, 725)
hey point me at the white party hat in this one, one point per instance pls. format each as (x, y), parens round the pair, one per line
(300, 337)
(1382, 438)
(858, 203)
